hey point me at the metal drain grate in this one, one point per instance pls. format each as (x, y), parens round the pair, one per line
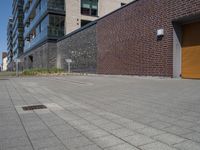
(33, 107)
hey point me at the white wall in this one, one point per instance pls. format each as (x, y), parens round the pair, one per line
(4, 64)
(177, 49)
(72, 18)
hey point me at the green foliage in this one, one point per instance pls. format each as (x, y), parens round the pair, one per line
(40, 71)
(7, 74)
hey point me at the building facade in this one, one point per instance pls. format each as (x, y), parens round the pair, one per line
(151, 38)
(47, 20)
(4, 61)
(80, 46)
(10, 42)
(43, 20)
(44, 24)
(18, 28)
(142, 39)
(82, 12)
(145, 38)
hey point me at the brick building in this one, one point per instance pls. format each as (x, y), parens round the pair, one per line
(45, 21)
(128, 42)
(148, 38)
(145, 37)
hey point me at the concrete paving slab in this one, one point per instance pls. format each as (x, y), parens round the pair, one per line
(188, 145)
(108, 141)
(104, 112)
(149, 131)
(169, 139)
(88, 147)
(156, 146)
(138, 140)
(122, 147)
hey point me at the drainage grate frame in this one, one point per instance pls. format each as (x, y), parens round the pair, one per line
(33, 107)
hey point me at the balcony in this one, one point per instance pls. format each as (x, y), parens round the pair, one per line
(34, 22)
(50, 32)
(55, 32)
(15, 48)
(40, 14)
(38, 39)
(26, 4)
(32, 6)
(58, 7)
(15, 37)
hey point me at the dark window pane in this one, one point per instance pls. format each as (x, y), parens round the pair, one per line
(94, 12)
(122, 4)
(85, 11)
(84, 22)
(89, 7)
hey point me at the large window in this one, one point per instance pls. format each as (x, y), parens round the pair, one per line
(56, 4)
(44, 24)
(89, 7)
(41, 6)
(56, 25)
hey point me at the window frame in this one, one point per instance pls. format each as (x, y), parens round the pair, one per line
(90, 10)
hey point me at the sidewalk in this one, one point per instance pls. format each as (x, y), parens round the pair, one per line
(99, 113)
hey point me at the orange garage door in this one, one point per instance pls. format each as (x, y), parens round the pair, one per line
(191, 51)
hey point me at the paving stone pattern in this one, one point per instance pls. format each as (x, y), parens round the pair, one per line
(100, 113)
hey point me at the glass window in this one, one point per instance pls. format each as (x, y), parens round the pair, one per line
(122, 4)
(89, 7)
(84, 22)
(56, 4)
(38, 8)
(56, 25)
(44, 23)
(38, 29)
(43, 4)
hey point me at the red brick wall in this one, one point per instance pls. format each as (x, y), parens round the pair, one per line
(127, 41)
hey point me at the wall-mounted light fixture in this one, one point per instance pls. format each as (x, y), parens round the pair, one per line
(160, 32)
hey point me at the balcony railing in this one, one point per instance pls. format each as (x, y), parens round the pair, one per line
(38, 16)
(50, 32)
(55, 32)
(32, 6)
(33, 22)
(52, 6)
(15, 47)
(26, 3)
(39, 38)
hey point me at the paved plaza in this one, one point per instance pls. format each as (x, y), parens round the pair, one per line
(100, 113)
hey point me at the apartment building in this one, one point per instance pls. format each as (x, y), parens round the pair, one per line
(82, 12)
(51, 19)
(10, 40)
(147, 38)
(18, 28)
(45, 21)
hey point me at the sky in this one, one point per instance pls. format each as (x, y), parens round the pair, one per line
(5, 13)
